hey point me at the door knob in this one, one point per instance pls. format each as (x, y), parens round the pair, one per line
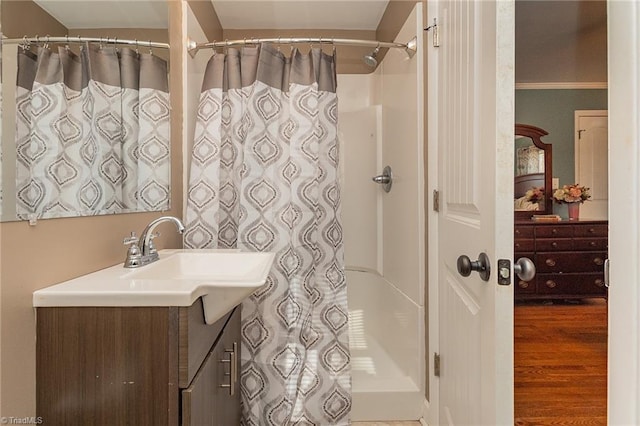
(524, 269)
(385, 179)
(482, 266)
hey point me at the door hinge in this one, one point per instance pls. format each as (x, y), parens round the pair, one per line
(436, 364)
(436, 200)
(434, 29)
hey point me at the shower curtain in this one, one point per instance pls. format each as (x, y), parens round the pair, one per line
(92, 132)
(264, 178)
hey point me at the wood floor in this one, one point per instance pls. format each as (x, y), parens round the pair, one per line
(561, 363)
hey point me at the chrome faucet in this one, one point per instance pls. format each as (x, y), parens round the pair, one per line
(141, 250)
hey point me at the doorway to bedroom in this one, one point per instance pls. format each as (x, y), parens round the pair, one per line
(560, 316)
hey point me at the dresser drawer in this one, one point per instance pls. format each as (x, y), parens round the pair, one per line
(523, 245)
(570, 261)
(587, 230)
(572, 284)
(524, 287)
(554, 231)
(523, 232)
(590, 244)
(554, 244)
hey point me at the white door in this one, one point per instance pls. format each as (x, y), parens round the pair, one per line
(623, 22)
(471, 92)
(591, 161)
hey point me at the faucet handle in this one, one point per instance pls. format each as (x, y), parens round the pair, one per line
(131, 239)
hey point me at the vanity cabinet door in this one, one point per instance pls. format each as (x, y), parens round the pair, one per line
(214, 395)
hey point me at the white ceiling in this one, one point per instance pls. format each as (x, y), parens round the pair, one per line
(233, 14)
(300, 14)
(75, 14)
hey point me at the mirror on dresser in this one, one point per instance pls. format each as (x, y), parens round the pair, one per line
(532, 172)
(84, 139)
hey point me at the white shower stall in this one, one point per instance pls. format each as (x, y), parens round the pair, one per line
(381, 122)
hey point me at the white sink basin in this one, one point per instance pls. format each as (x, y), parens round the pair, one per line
(223, 278)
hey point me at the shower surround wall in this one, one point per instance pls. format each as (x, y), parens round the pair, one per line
(381, 123)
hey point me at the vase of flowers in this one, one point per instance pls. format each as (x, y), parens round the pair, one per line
(572, 195)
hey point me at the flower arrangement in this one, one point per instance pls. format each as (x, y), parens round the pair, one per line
(535, 194)
(572, 194)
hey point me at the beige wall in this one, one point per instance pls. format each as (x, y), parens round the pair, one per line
(33, 257)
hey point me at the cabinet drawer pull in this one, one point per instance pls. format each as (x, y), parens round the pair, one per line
(517, 232)
(550, 284)
(233, 366)
(554, 231)
(550, 262)
(554, 244)
(599, 282)
(517, 245)
(598, 261)
(592, 243)
(523, 284)
(592, 231)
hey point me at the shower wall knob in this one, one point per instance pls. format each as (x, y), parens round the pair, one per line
(385, 179)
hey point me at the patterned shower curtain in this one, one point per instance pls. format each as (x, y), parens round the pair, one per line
(92, 132)
(264, 177)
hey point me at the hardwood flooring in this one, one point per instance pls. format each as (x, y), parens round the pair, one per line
(560, 363)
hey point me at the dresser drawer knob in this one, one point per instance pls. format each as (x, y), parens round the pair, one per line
(554, 244)
(517, 232)
(592, 231)
(550, 262)
(598, 261)
(523, 284)
(599, 282)
(550, 284)
(554, 231)
(593, 244)
(517, 245)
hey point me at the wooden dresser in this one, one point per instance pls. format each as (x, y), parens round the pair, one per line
(569, 258)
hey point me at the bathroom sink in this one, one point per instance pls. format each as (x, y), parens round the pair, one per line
(221, 266)
(222, 278)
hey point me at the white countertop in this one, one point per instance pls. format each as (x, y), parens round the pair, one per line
(119, 286)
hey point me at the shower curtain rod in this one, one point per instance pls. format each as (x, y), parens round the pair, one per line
(78, 39)
(410, 47)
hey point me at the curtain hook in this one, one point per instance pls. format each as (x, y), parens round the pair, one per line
(333, 43)
(26, 44)
(137, 52)
(279, 41)
(150, 48)
(46, 44)
(66, 46)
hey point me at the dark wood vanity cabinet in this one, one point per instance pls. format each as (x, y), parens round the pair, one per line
(569, 257)
(137, 366)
